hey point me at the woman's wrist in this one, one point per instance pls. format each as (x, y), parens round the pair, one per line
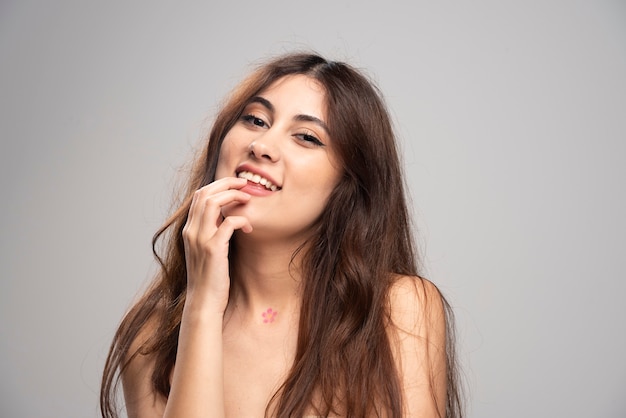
(203, 307)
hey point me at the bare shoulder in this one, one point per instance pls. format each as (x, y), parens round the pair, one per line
(414, 303)
(139, 395)
(417, 337)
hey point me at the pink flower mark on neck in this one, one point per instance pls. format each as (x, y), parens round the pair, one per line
(269, 315)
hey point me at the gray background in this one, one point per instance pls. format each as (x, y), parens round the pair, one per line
(512, 121)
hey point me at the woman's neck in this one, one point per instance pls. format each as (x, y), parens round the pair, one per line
(265, 279)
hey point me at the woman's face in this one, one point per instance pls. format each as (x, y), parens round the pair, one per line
(282, 146)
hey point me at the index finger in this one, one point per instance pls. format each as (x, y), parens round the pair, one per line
(224, 183)
(216, 186)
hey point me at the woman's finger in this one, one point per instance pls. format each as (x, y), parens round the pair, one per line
(227, 228)
(211, 217)
(222, 184)
(198, 201)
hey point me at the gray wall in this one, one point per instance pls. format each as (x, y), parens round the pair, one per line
(512, 117)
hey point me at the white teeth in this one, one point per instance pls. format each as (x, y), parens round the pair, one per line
(255, 178)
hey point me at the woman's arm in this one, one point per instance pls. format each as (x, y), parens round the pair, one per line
(197, 387)
(418, 342)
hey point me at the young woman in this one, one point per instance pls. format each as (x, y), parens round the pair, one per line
(288, 283)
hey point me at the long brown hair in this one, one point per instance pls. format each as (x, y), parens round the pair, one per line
(360, 243)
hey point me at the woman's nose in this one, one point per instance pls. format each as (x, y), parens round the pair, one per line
(265, 148)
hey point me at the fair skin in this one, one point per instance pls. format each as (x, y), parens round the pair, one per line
(237, 343)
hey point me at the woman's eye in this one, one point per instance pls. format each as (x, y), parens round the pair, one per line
(254, 120)
(310, 139)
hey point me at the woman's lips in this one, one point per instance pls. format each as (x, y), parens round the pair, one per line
(258, 177)
(256, 189)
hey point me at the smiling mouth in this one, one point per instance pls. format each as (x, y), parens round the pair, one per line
(255, 178)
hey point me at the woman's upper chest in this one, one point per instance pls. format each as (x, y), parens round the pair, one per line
(256, 363)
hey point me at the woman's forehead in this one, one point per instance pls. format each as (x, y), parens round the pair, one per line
(295, 88)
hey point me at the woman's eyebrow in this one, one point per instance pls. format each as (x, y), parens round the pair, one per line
(317, 121)
(266, 103)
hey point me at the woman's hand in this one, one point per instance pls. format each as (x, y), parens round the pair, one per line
(206, 236)
(197, 386)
